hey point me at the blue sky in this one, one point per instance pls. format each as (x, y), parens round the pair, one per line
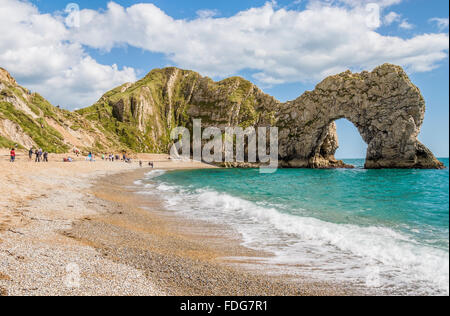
(99, 55)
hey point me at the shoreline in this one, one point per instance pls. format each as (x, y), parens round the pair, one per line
(182, 257)
(58, 217)
(38, 201)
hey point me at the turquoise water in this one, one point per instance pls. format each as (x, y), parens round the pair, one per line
(386, 229)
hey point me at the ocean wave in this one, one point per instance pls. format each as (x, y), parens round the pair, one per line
(154, 174)
(336, 251)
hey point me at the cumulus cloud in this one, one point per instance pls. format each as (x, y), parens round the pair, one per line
(37, 49)
(279, 45)
(276, 44)
(394, 17)
(207, 13)
(391, 17)
(406, 25)
(355, 3)
(442, 23)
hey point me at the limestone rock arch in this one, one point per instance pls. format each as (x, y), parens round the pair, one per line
(386, 108)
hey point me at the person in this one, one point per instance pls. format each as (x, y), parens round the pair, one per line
(30, 153)
(45, 156)
(140, 163)
(37, 156)
(13, 155)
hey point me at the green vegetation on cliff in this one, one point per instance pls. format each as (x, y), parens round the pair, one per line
(142, 114)
(42, 134)
(29, 120)
(136, 116)
(6, 143)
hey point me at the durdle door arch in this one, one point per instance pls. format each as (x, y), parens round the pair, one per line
(386, 108)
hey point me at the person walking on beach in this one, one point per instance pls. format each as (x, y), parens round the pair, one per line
(30, 153)
(37, 156)
(45, 156)
(13, 155)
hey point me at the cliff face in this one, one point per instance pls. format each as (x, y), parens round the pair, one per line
(144, 113)
(384, 105)
(28, 120)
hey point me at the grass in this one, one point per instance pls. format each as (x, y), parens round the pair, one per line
(212, 98)
(42, 134)
(6, 143)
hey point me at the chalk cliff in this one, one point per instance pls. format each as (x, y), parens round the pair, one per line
(387, 109)
(28, 120)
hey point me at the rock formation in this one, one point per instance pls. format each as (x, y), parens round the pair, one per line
(28, 120)
(387, 109)
(384, 105)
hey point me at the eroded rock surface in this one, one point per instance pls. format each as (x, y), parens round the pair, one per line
(387, 109)
(384, 105)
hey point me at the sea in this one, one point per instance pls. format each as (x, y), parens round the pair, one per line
(386, 231)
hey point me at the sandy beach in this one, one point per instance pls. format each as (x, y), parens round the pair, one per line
(78, 229)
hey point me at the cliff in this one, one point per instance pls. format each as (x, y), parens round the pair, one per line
(144, 113)
(28, 120)
(384, 105)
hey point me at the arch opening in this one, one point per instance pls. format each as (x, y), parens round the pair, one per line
(351, 144)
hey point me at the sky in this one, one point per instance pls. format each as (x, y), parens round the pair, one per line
(73, 52)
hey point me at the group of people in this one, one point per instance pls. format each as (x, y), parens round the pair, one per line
(40, 155)
(112, 157)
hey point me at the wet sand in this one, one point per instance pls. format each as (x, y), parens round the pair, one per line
(79, 229)
(182, 257)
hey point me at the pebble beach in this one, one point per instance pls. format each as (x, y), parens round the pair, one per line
(78, 229)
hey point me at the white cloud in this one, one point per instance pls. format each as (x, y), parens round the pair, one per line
(442, 23)
(406, 25)
(394, 17)
(207, 13)
(37, 49)
(391, 17)
(355, 3)
(277, 44)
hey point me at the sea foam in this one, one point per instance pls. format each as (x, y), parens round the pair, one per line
(377, 257)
